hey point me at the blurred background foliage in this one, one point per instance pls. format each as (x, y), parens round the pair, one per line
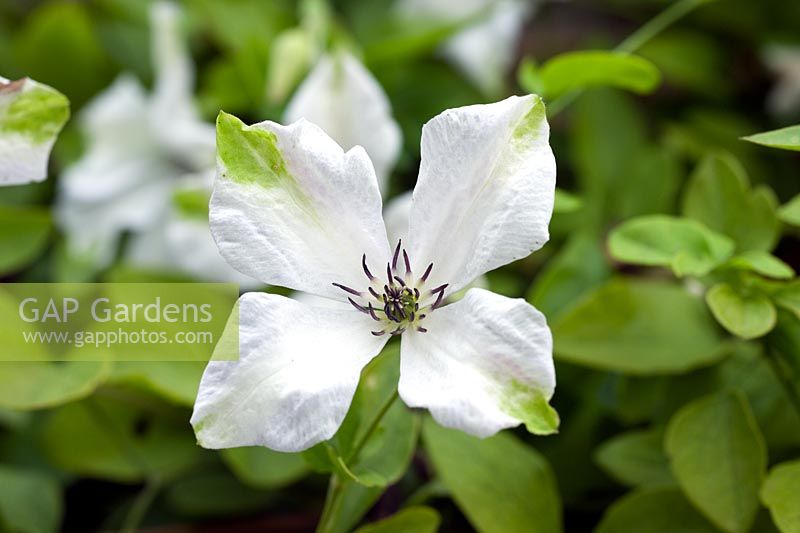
(678, 414)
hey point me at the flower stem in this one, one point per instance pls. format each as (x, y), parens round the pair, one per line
(332, 503)
(333, 500)
(140, 506)
(387, 404)
(636, 40)
(779, 370)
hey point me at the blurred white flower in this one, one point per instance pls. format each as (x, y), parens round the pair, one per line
(347, 102)
(31, 116)
(296, 210)
(484, 50)
(784, 62)
(142, 151)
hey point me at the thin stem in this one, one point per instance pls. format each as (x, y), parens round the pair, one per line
(372, 427)
(332, 502)
(659, 23)
(140, 506)
(780, 373)
(636, 40)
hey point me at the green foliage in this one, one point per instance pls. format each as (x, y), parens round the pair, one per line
(784, 138)
(57, 30)
(790, 212)
(636, 458)
(107, 439)
(719, 458)
(586, 69)
(263, 468)
(688, 247)
(629, 326)
(719, 196)
(30, 501)
(578, 266)
(780, 494)
(746, 315)
(762, 263)
(500, 484)
(24, 234)
(653, 510)
(411, 520)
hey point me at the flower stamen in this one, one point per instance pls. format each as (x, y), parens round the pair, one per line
(399, 304)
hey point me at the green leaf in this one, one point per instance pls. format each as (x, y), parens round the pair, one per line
(623, 174)
(781, 495)
(636, 458)
(213, 493)
(24, 233)
(719, 196)
(37, 382)
(719, 458)
(352, 501)
(578, 266)
(291, 55)
(790, 211)
(686, 246)
(63, 28)
(500, 484)
(107, 439)
(30, 502)
(784, 138)
(653, 510)
(263, 468)
(762, 263)
(528, 77)
(410, 520)
(788, 296)
(630, 326)
(584, 69)
(566, 202)
(372, 456)
(191, 203)
(175, 381)
(745, 314)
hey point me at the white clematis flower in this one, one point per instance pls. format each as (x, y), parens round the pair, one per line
(31, 117)
(483, 51)
(135, 166)
(784, 61)
(347, 102)
(291, 208)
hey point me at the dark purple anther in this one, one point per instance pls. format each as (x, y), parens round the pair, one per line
(357, 306)
(347, 289)
(427, 273)
(396, 254)
(366, 270)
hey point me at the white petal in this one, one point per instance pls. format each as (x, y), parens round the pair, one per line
(292, 209)
(295, 378)
(94, 225)
(31, 117)
(485, 191)
(484, 364)
(195, 253)
(175, 121)
(485, 52)
(344, 99)
(396, 215)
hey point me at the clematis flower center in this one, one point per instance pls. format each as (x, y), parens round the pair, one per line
(399, 302)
